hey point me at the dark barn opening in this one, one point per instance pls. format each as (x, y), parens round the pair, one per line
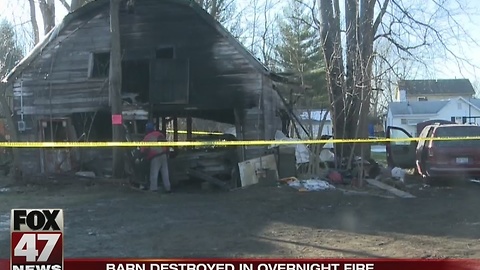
(55, 131)
(100, 65)
(136, 79)
(98, 130)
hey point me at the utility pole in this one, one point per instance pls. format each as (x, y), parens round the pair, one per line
(115, 85)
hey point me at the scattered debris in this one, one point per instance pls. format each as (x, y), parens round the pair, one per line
(327, 156)
(309, 184)
(399, 173)
(4, 189)
(397, 192)
(335, 177)
(86, 174)
(475, 181)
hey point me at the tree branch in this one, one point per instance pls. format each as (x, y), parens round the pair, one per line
(66, 5)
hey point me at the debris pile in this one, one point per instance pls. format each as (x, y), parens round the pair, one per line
(308, 184)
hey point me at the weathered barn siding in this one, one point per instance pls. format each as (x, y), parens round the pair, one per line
(56, 82)
(271, 112)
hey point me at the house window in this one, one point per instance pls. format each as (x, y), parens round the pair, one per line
(459, 105)
(100, 65)
(165, 53)
(422, 99)
(403, 121)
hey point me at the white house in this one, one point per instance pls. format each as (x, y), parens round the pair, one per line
(312, 119)
(433, 90)
(408, 114)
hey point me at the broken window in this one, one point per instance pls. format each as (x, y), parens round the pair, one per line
(100, 65)
(165, 53)
(55, 130)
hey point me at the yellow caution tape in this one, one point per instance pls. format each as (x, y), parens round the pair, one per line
(216, 143)
(196, 132)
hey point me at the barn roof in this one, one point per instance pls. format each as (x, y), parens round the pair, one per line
(95, 6)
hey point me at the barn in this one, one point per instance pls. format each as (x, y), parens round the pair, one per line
(178, 62)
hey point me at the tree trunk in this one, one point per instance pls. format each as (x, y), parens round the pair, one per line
(33, 20)
(352, 98)
(75, 4)
(47, 7)
(214, 9)
(366, 56)
(115, 84)
(331, 37)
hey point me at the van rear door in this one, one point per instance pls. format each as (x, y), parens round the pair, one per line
(400, 153)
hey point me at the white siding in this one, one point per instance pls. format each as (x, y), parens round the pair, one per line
(455, 108)
(458, 108)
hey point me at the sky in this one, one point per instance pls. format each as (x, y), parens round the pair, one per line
(440, 66)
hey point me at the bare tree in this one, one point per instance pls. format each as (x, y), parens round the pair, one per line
(47, 8)
(33, 20)
(225, 12)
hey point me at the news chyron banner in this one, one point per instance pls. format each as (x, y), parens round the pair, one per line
(37, 244)
(256, 264)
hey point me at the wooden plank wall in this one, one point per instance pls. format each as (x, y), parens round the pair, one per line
(56, 82)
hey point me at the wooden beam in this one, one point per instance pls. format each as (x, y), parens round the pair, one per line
(189, 128)
(115, 84)
(175, 129)
(394, 191)
(164, 125)
(239, 133)
(201, 175)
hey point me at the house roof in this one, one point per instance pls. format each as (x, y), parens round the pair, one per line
(426, 107)
(475, 102)
(416, 107)
(95, 6)
(445, 86)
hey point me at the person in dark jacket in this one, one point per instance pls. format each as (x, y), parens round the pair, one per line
(158, 158)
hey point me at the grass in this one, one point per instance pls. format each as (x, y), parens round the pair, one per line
(379, 157)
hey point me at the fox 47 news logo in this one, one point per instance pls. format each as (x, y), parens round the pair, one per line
(36, 239)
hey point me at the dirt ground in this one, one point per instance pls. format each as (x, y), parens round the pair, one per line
(111, 220)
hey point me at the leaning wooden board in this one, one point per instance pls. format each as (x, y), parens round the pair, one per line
(397, 192)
